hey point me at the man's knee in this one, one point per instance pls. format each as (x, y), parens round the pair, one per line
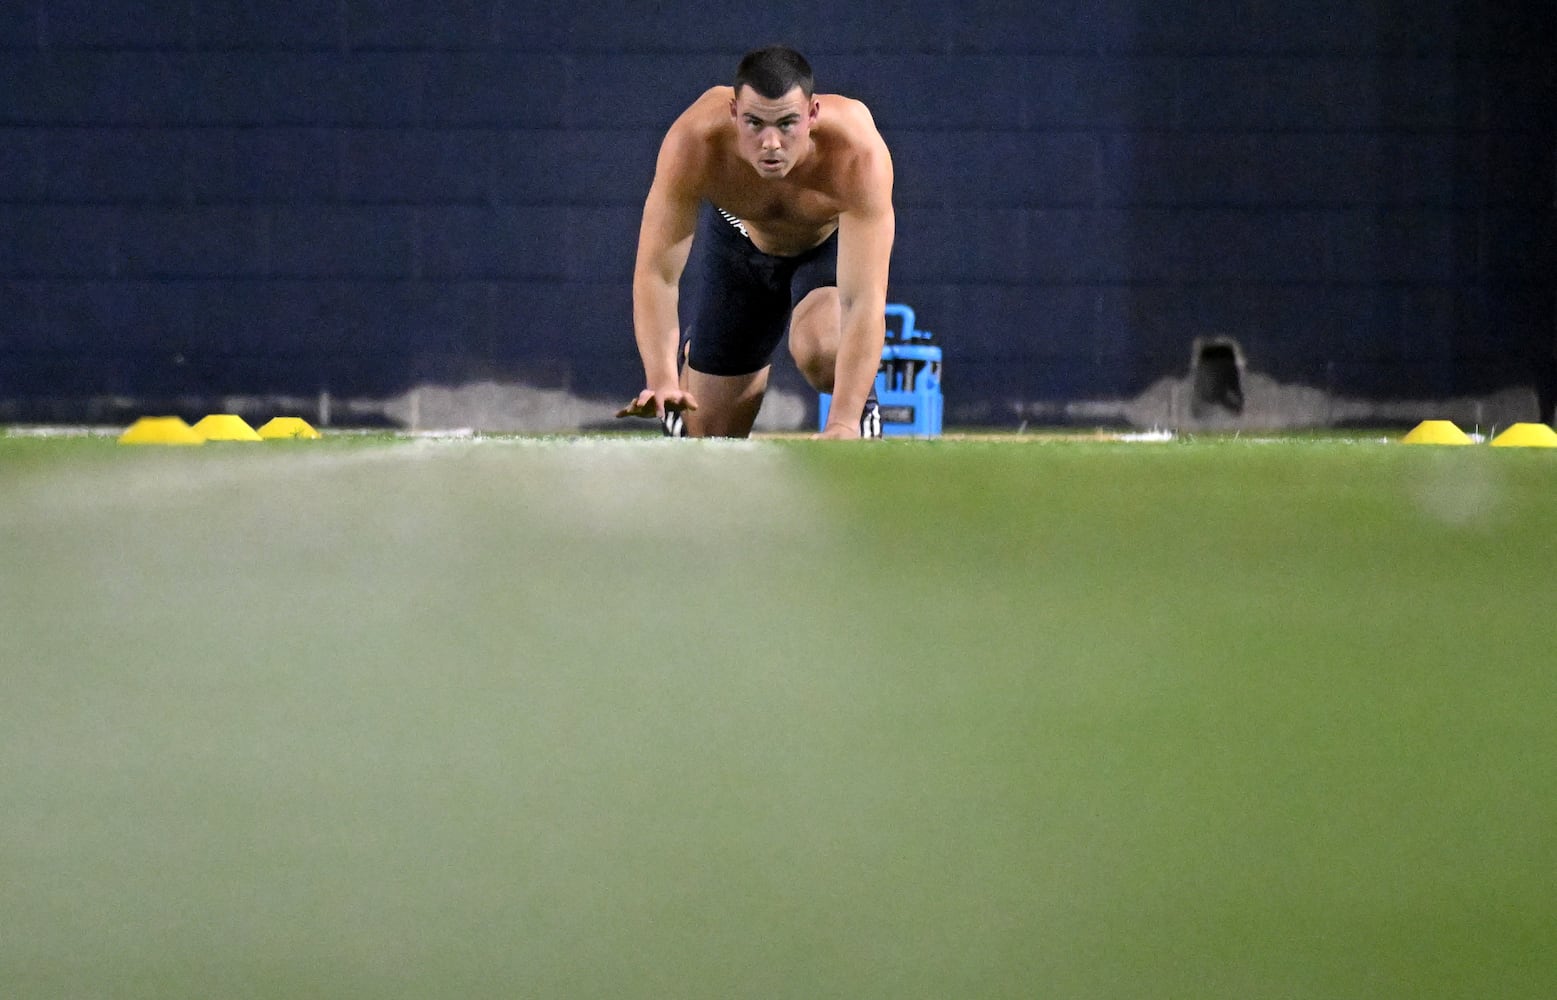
(813, 337)
(815, 362)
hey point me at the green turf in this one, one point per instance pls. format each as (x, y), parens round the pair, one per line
(642, 718)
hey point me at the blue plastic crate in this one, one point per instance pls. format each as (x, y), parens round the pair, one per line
(908, 384)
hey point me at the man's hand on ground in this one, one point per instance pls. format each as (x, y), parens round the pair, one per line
(649, 403)
(838, 432)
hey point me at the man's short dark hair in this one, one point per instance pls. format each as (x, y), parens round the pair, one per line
(775, 71)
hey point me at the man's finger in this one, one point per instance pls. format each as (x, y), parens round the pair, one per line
(638, 407)
(646, 405)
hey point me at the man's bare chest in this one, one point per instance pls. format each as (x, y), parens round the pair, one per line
(784, 220)
(793, 206)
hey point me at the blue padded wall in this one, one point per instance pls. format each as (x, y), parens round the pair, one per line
(247, 196)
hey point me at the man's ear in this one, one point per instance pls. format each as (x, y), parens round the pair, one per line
(816, 109)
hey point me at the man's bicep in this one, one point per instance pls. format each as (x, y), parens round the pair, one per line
(864, 256)
(670, 211)
(665, 236)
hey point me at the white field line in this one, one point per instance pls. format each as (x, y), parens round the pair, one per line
(606, 480)
(59, 430)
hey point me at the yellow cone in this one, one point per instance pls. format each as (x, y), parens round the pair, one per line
(225, 427)
(1436, 432)
(287, 427)
(1526, 436)
(161, 430)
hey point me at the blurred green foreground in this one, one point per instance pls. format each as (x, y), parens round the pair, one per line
(633, 718)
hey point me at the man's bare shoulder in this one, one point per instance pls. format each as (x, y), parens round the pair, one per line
(864, 163)
(851, 115)
(705, 117)
(699, 131)
(693, 142)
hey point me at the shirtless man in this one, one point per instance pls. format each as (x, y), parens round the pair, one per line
(789, 194)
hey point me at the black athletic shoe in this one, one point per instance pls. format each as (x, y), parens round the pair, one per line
(870, 420)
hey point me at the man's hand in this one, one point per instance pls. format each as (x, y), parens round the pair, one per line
(838, 432)
(650, 403)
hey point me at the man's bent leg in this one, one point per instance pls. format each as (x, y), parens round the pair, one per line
(815, 332)
(815, 329)
(727, 405)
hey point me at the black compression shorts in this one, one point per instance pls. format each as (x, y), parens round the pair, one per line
(741, 298)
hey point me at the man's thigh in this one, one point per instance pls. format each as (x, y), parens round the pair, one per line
(738, 303)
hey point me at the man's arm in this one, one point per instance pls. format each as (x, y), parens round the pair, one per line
(865, 232)
(664, 240)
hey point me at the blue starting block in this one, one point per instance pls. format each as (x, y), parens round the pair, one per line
(908, 383)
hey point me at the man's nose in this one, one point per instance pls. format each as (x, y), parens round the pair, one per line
(771, 138)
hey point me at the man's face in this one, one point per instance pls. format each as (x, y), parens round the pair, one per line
(774, 134)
